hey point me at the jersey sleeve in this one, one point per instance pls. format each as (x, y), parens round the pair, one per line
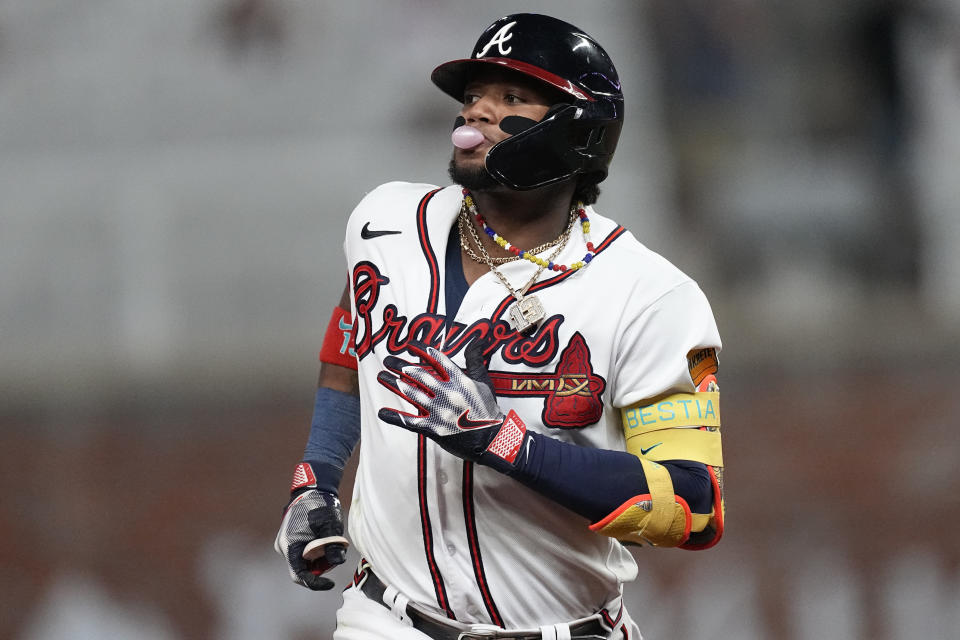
(657, 340)
(667, 353)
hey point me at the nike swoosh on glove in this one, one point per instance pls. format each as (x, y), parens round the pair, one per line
(455, 408)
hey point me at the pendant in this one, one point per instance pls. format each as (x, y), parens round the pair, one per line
(525, 313)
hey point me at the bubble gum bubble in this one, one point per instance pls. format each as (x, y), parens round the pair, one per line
(466, 137)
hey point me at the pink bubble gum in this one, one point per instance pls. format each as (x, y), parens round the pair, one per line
(466, 137)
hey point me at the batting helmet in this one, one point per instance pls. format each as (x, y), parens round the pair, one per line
(577, 135)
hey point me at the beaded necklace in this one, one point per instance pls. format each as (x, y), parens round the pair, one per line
(465, 227)
(531, 255)
(527, 311)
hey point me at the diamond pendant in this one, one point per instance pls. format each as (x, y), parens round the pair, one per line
(525, 313)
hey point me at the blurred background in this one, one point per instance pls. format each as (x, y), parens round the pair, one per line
(176, 177)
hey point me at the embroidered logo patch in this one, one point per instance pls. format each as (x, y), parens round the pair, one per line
(702, 363)
(572, 392)
(367, 233)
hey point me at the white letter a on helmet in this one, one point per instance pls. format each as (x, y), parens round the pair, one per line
(499, 38)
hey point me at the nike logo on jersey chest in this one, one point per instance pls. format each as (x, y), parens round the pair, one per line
(366, 233)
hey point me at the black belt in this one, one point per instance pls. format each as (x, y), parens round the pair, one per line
(371, 586)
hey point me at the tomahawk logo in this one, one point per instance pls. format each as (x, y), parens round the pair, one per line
(572, 393)
(500, 38)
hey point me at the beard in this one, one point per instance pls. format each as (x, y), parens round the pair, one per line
(473, 178)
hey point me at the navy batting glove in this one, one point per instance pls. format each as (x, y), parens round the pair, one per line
(457, 409)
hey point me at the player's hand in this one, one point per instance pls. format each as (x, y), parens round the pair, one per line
(458, 409)
(312, 516)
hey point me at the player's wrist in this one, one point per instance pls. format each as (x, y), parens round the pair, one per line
(504, 452)
(315, 475)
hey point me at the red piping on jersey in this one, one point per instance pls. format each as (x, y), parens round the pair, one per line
(475, 558)
(432, 304)
(438, 585)
(549, 282)
(610, 621)
(428, 252)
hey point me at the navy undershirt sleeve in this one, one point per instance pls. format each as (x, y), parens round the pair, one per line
(595, 482)
(334, 432)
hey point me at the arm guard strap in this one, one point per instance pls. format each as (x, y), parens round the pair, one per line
(659, 518)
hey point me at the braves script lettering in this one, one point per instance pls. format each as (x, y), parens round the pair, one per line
(399, 332)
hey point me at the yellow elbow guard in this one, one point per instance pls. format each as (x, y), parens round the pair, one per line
(682, 426)
(658, 518)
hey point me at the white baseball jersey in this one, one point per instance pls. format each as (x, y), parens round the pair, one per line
(461, 538)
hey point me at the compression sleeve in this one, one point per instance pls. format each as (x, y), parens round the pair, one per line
(334, 432)
(595, 482)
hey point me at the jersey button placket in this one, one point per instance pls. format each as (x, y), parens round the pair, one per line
(448, 518)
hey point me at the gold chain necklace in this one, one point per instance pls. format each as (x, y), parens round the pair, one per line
(527, 311)
(464, 225)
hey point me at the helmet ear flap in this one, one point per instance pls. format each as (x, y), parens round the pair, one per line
(598, 140)
(588, 137)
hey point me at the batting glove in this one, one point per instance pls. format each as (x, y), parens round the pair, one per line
(457, 409)
(311, 538)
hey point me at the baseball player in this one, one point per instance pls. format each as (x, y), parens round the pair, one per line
(533, 388)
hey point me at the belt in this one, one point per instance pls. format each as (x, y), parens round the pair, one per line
(590, 628)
